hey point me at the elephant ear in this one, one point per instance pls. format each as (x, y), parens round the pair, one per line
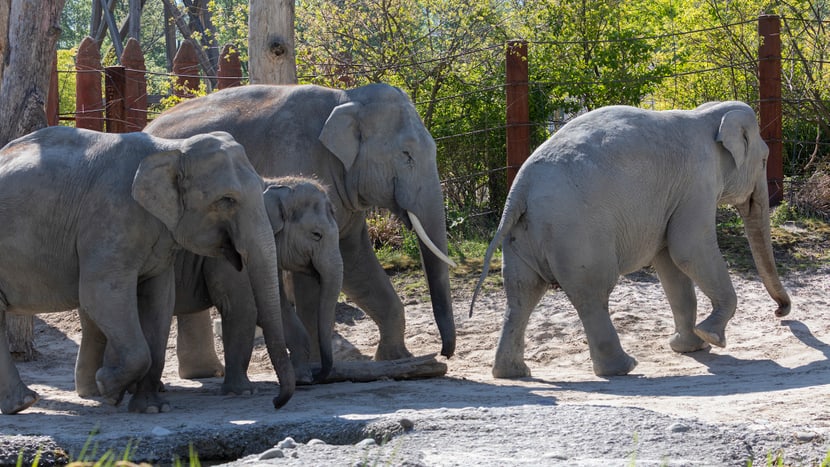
(733, 133)
(274, 196)
(341, 133)
(156, 187)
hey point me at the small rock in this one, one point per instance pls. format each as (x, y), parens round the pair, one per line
(805, 436)
(273, 453)
(287, 443)
(368, 442)
(295, 454)
(678, 428)
(316, 442)
(159, 431)
(406, 424)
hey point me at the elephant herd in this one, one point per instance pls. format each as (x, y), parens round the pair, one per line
(252, 200)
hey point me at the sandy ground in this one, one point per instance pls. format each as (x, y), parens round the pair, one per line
(765, 394)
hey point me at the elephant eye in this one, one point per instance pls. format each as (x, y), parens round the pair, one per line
(410, 161)
(226, 202)
(317, 236)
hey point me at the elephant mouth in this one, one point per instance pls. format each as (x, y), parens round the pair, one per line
(229, 251)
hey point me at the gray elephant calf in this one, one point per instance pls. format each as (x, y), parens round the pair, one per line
(620, 188)
(94, 221)
(306, 237)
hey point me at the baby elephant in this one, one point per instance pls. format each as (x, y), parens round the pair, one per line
(305, 231)
(94, 221)
(308, 254)
(620, 188)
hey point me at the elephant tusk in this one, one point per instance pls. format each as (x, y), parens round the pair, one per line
(422, 234)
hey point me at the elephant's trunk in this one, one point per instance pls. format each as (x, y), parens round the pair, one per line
(330, 270)
(433, 225)
(755, 214)
(262, 270)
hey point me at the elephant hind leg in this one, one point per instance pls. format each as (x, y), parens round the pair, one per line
(589, 289)
(14, 395)
(524, 288)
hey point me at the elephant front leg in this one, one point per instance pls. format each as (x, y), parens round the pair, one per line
(367, 284)
(695, 252)
(90, 356)
(111, 303)
(14, 395)
(680, 292)
(194, 346)
(156, 300)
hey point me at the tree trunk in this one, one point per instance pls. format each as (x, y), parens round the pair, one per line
(29, 31)
(271, 42)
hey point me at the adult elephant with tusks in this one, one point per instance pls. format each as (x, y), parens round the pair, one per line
(369, 146)
(620, 188)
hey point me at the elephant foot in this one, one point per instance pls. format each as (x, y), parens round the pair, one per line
(509, 370)
(304, 374)
(87, 388)
(240, 388)
(148, 402)
(391, 352)
(618, 366)
(714, 334)
(111, 393)
(18, 399)
(687, 342)
(197, 369)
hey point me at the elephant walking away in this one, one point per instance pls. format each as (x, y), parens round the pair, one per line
(370, 148)
(620, 188)
(94, 221)
(306, 236)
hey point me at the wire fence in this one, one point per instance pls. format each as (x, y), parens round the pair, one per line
(471, 131)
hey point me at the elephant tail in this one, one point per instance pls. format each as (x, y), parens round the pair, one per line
(512, 213)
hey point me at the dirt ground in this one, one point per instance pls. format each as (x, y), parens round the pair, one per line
(766, 394)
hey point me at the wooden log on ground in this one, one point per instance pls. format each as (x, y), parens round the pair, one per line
(363, 371)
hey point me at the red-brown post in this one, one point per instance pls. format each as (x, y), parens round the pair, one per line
(135, 86)
(186, 69)
(230, 68)
(52, 98)
(114, 90)
(769, 88)
(89, 103)
(518, 108)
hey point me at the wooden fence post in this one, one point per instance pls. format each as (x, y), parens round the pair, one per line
(114, 90)
(135, 87)
(89, 104)
(518, 108)
(230, 68)
(52, 98)
(186, 69)
(769, 90)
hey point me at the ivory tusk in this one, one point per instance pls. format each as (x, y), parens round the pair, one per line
(419, 230)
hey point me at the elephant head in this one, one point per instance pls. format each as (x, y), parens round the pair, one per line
(307, 239)
(390, 158)
(210, 197)
(744, 162)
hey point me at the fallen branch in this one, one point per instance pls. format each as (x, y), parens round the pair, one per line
(369, 370)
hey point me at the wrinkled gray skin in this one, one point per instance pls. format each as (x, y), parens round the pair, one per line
(305, 232)
(370, 148)
(94, 222)
(621, 188)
